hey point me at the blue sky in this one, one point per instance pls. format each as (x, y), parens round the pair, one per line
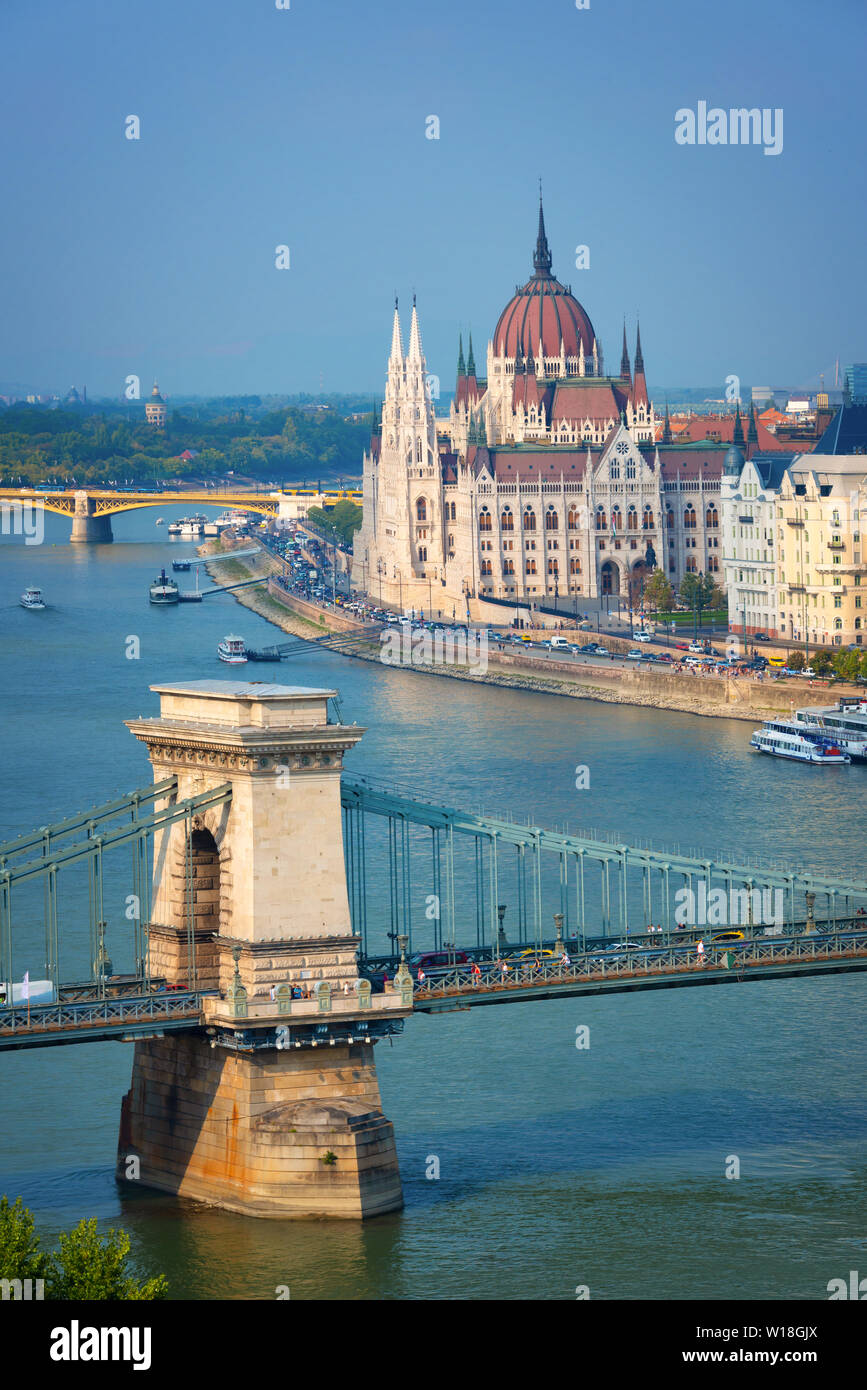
(306, 127)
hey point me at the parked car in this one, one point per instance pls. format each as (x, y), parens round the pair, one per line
(761, 637)
(636, 654)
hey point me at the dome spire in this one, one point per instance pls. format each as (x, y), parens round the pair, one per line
(396, 344)
(542, 257)
(415, 353)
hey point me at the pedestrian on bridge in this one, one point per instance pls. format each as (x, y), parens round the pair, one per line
(700, 951)
(420, 976)
(476, 973)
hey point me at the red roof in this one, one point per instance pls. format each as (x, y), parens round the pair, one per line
(543, 308)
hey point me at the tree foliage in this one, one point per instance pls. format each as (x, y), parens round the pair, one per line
(658, 592)
(85, 1266)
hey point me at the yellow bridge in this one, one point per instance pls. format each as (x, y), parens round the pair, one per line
(90, 509)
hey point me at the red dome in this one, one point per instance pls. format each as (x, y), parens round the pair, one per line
(543, 308)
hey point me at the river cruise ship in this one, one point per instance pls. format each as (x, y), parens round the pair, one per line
(845, 722)
(232, 650)
(784, 738)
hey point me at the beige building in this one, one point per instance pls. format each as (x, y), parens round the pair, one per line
(821, 566)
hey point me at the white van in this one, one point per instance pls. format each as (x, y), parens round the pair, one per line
(555, 642)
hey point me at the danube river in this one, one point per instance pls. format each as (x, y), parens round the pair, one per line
(558, 1168)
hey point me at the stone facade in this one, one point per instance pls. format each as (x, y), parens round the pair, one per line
(242, 1113)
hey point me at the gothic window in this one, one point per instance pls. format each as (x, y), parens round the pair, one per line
(574, 565)
(630, 468)
(552, 521)
(623, 447)
(531, 565)
(422, 552)
(838, 623)
(485, 567)
(552, 567)
(647, 519)
(451, 542)
(529, 520)
(689, 517)
(632, 519)
(418, 454)
(691, 566)
(508, 566)
(484, 520)
(669, 517)
(711, 517)
(572, 519)
(616, 519)
(507, 521)
(601, 523)
(421, 509)
(615, 468)
(713, 563)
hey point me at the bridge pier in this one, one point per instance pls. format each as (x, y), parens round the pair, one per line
(272, 1108)
(87, 527)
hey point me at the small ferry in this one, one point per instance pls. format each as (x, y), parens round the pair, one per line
(164, 590)
(232, 650)
(32, 598)
(192, 525)
(174, 528)
(784, 738)
(160, 521)
(846, 723)
(182, 566)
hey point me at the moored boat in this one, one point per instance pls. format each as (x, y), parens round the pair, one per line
(785, 738)
(845, 723)
(164, 590)
(232, 650)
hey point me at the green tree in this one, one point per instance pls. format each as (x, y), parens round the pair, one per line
(796, 661)
(847, 664)
(85, 1267)
(658, 592)
(20, 1256)
(822, 661)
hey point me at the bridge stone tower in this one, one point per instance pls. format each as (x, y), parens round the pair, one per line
(87, 527)
(272, 1108)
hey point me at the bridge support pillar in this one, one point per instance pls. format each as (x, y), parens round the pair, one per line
(276, 1134)
(272, 1106)
(87, 528)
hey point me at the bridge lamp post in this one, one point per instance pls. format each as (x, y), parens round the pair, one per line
(501, 931)
(811, 921)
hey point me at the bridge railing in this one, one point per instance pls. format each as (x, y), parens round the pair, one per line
(603, 965)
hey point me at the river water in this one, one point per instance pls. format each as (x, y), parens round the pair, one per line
(558, 1167)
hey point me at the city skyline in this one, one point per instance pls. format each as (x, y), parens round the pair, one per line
(156, 256)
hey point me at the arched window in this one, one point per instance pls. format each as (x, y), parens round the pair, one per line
(711, 517)
(422, 552)
(421, 509)
(615, 468)
(647, 519)
(552, 521)
(857, 624)
(632, 519)
(669, 517)
(418, 454)
(616, 519)
(630, 468)
(507, 521)
(552, 567)
(574, 565)
(601, 523)
(838, 624)
(572, 520)
(485, 567)
(691, 566)
(689, 517)
(531, 565)
(484, 519)
(529, 520)
(508, 566)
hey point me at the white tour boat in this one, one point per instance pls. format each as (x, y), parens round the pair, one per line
(32, 598)
(160, 521)
(174, 528)
(784, 738)
(232, 650)
(845, 723)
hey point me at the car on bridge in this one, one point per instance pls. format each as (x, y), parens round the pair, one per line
(435, 964)
(725, 936)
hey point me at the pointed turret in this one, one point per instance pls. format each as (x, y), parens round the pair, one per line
(542, 256)
(640, 384)
(625, 372)
(471, 361)
(753, 431)
(462, 370)
(738, 435)
(415, 353)
(396, 354)
(666, 429)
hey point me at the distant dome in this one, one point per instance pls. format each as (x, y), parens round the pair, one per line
(156, 398)
(733, 462)
(545, 310)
